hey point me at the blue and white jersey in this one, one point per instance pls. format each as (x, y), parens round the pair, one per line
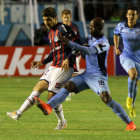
(131, 40)
(96, 63)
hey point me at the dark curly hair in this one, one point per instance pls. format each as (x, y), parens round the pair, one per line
(49, 11)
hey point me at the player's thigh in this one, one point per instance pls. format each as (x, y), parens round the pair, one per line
(98, 84)
(127, 63)
(48, 74)
(59, 78)
(79, 83)
(41, 86)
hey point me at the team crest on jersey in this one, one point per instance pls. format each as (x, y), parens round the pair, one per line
(58, 85)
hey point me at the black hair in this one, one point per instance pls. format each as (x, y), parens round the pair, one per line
(49, 11)
(99, 22)
(134, 8)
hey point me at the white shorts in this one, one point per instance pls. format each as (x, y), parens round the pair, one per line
(56, 77)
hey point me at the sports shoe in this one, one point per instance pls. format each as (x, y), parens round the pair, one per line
(13, 115)
(61, 125)
(132, 112)
(131, 127)
(45, 108)
(129, 102)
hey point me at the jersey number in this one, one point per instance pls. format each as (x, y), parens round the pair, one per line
(101, 83)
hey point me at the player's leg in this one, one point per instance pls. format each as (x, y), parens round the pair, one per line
(57, 81)
(76, 84)
(131, 86)
(135, 93)
(58, 110)
(37, 90)
(130, 68)
(100, 86)
(117, 109)
(71, 93)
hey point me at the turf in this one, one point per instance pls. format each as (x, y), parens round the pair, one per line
(87, 116)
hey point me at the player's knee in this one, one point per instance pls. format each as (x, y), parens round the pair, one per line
(133, 74)
(71, 87)
(58, 108)
(50, 95)
(105, 96)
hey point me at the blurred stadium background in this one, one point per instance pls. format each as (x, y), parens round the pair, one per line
(19, 19)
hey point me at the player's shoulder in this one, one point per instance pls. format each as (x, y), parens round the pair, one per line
(63, 26)
(103, 40)
(121, 25)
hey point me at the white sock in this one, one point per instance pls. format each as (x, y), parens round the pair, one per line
(59, 113)
(28, 102)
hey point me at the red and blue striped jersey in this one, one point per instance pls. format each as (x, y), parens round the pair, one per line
(60, 52)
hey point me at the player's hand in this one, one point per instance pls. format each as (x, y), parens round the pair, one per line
(65, 65)
(118, 52)
(63, 40)
(36, 64)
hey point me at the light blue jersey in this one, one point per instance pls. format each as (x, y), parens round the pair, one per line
(131, 40)
(96, 63)
(95, 75)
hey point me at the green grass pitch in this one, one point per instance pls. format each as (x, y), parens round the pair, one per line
(87, 116)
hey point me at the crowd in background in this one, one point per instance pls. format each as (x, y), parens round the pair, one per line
(113, 10)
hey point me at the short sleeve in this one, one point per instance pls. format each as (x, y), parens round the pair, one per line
(102, 45)
(117, 30)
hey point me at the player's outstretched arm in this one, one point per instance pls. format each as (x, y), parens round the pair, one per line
(78, 47)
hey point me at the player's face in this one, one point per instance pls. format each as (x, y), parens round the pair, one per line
(66, 18)
(132, 16)
(94, 28)
(49, 21)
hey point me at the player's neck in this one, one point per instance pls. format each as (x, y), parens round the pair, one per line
(131, 25)
(68, 23)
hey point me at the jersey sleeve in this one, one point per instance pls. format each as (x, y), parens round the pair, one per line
(69, 33)
(102, 45)
(48, 59)
(117, 30)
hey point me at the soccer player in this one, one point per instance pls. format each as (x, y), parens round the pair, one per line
(130, 56)
(94, 77)
(58, 73)
(66, 19)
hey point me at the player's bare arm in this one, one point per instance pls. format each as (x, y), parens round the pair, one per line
(116, 44)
